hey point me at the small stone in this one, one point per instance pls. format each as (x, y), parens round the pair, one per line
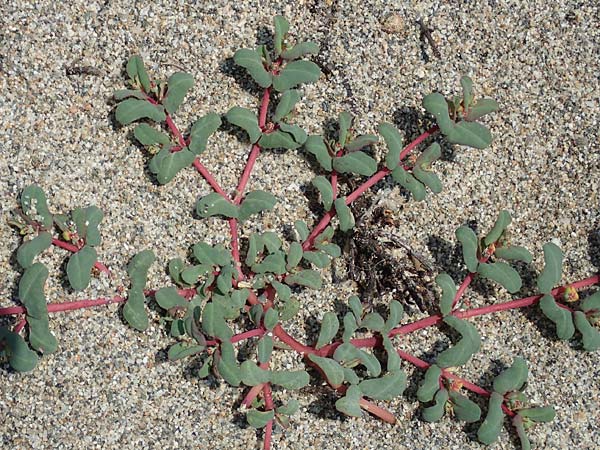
(393, 24)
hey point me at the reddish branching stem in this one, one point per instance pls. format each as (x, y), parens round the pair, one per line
(374, 179)
(255, 151)
(74, 249)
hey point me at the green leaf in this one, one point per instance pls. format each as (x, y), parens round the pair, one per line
(355, 162)
(251, 60)
(125, 93)
(361, 141)
(502, 273)
(177, 87)
(246, 120)
(350, 376)
(278, 139)
(514, 253)
(302, 230)
(281, 26)
(344, 214)
(190, 275)
(137, 72)
(462, 351)
(498, 229)
(214, 256)
(87, 221)
(350, 403)
(40, 336)
(517, 422)
(591, 336)
(168, 298)
(329, 328)
(138, 267)
(20, 356)
(591, 303)
(472, 134)
(213, 323)
(255, 202)
(430, 384)
(436, 411)
(408, 182)
(350, 326)
(294, 255)
(316, 146)
(356, 307)
(464, 409)
(290, 379)
(446, 283)
(428, 156)
(34, 205)
(134, 109)
(274, 263)
(550, 276)
(436, 104)
(259, 419)
(513, 378)
(286, 104)
(545, 414)
(31, 290)
(387, 387)
(295, 73)
(182, 350)
(147, 135)
(283, 291)
(271, 241)
(560, 316)
(134, 311)
(297, 133)
(226, 364)
(290, 409)
(396, 313)
(468, 239)
(308, 277)
(253, 375)
(350, 356)
(467, 86)
(332, 370)
(300, 49)
(481, 108)
(215, 204)
(373, 322)
(332, 250)
(28, 251)
(271, 319)
(264, 348)
(428, 178)
(393, 140)
(490, 428)
(289, 309)
(80, 266)
(225, 279)
(202, 129)
(319, 259)
(393, 359)
(168, 164)
(345, 122)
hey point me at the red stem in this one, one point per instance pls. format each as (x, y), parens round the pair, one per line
(209, 178)
(424, 365)
(74, 249)
(19, 326)
(268, 406)
(363, 188)
(255, 151)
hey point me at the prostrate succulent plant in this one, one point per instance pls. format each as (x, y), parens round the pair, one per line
(220, 290)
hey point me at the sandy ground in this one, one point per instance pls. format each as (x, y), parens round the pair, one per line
(109, 386)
